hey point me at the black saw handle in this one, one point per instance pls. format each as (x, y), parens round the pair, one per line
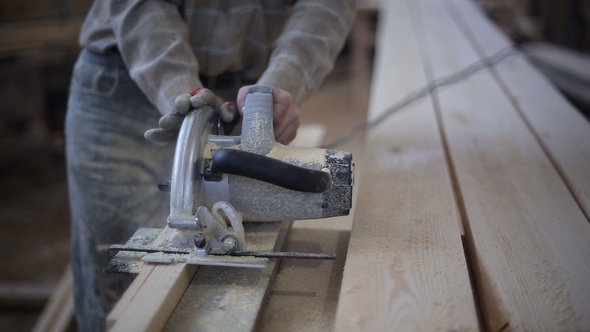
(270, 170)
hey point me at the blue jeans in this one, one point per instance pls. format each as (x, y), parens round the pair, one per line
(113, 173)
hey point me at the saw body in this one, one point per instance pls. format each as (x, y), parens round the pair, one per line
(219, 181)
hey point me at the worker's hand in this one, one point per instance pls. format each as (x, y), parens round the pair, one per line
(171, 122)
(285, 113)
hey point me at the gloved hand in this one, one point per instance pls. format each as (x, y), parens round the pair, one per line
(285, 113)
(169, 124)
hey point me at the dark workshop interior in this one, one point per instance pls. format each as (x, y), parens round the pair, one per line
(38, 46)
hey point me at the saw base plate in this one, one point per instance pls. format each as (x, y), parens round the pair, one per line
(132, 262)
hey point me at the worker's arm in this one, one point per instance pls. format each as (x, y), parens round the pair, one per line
(305, 51)
(153, 41)
(152, 38)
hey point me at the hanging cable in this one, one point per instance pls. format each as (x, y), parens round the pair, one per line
(432, 86)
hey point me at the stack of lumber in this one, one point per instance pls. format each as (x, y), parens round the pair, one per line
(499, 159)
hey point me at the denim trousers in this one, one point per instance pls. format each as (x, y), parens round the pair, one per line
(113, 173)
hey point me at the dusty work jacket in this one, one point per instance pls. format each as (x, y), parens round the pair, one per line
(167, 44)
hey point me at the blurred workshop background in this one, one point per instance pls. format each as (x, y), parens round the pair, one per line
(38, 46)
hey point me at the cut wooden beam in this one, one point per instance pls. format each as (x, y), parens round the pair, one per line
(527, 237)
(128, 298)
(405, 268)
(154, 295)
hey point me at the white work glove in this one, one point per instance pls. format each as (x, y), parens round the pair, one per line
(169, 124)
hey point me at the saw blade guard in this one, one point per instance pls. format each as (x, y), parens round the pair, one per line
(184, 185)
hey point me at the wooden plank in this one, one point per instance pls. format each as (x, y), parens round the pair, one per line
(157, 294)
(563, 131)
(405, 268)
(527, 237)
(150, 299)
(128, 297)
(58, 313)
